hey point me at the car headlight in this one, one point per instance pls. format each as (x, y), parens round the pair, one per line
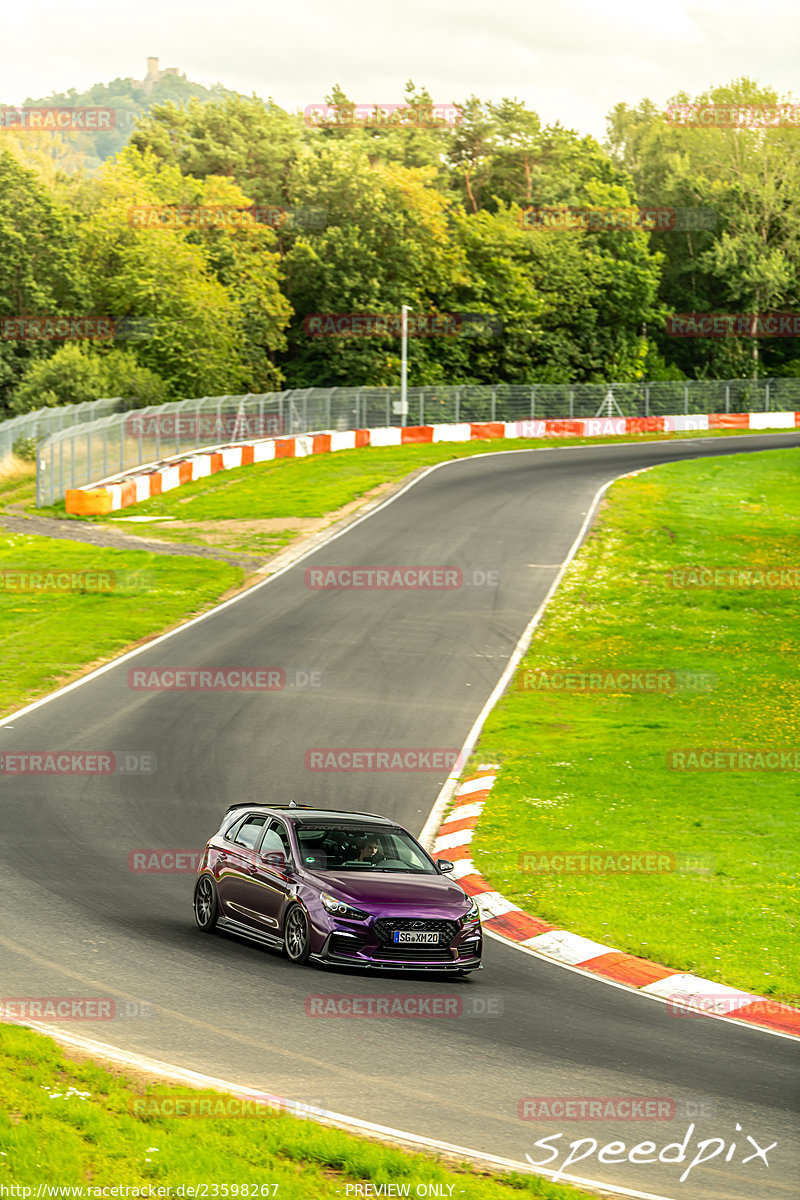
(473, 913)
(332, 905)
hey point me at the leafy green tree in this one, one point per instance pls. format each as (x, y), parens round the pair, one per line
(77, 373)
(194, 338)
(40, 267)
(254, 143)
(748, 178)
(387, 243)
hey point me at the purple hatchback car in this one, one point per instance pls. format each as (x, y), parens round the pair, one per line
(351, 889)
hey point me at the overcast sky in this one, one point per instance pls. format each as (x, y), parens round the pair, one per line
(570, 60)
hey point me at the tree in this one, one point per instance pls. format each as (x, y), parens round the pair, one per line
(746, 177)
(76, 373)
(40, 268)
(254, 143)
(190, 322)
(387, 243)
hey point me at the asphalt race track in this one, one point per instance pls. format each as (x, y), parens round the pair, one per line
(399, 669)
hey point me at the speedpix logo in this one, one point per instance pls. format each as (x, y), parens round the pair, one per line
(648, 1152)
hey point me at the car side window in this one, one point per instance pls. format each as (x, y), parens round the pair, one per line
(276, 841)
(249, 831)
(234, 828)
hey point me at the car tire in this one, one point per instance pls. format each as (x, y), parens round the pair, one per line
(206, 904)
(297, 935)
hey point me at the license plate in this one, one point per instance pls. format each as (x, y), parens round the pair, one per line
(428, 939)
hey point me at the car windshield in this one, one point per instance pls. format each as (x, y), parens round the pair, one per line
(354, 848)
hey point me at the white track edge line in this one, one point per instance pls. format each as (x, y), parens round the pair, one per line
(312, 549)
(354, 1125)
(627, 987)
(448, 790)
(116, 1054)
(447, 793)
(162, 637)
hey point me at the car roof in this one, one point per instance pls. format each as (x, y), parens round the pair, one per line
(306, 815)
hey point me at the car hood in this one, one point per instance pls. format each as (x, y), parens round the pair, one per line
(390, 891)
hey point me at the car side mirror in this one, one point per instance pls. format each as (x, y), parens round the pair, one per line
(444, 865)
(275, 860)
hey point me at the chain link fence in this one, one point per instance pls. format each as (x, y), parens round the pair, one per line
(124, 441)
(29, 428)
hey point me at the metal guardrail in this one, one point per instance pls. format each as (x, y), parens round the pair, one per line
(45, 421)
(88, 453)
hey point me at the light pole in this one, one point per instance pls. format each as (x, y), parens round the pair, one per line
(404, 311)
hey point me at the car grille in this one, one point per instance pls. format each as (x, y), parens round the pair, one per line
(413, 952)
(471, 950)
(385, 926)
(341, 944)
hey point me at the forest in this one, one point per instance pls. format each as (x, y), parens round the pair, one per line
(227, 245)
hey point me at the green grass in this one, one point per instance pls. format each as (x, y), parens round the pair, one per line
(320, 484)
(68, 1123)
(310, 488)
(48, 637)
(586, 770)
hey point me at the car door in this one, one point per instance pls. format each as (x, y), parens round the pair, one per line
(268, 879)
(236, 869)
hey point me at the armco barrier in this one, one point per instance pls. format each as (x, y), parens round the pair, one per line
(122, 491)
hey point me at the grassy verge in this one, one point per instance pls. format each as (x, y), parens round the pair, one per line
(261, 508)
(69, 1123)
(47, 637)
(587, 770)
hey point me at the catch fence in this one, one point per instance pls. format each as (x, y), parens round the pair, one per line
(28, 428)
(124, 441)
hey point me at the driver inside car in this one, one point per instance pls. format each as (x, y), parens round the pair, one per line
(370, 851)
